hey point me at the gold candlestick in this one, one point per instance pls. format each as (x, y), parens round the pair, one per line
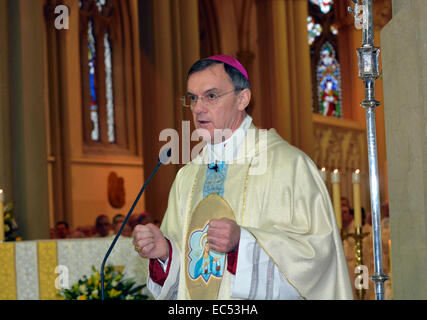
(2, 234)
(358, 236)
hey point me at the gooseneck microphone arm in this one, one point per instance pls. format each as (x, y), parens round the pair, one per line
(163, 158)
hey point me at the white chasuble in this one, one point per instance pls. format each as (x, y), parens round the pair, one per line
(286, 210)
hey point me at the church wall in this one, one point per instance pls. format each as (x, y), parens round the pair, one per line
(282, 70)
(84, 177)
(88, 171)
(405, 91)
(90, 185)
(227, 13)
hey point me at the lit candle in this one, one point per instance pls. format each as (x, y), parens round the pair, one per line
(323, 174)
(336, 194)
(1, 215)
(356, 199)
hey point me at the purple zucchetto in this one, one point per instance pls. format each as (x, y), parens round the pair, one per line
(231, 61)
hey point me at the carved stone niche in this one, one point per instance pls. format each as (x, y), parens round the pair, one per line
(341, 144)
(382, 11)
(116, 190)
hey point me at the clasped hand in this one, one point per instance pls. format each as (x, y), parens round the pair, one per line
(149, 242)
(223, 235)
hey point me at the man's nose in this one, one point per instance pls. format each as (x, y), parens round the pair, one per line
(199, 106)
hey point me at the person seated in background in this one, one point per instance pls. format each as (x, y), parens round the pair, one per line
(345, 202)
(385, 216)
(117, 223)
(142, 218)
(118, 220)
(347, 219)
(366, 218)
(62, 230)
(103, 226)
(84, 232)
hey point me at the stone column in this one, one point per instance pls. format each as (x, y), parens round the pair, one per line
(404, 60)
(169, 46)
(5, 133)
(28, 117)
(284, 59)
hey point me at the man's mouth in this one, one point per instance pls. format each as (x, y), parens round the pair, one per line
(203, 122)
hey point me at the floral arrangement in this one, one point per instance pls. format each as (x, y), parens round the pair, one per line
(10, 225)
(116, 287)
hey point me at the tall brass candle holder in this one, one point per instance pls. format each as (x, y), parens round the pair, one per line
(358, 237)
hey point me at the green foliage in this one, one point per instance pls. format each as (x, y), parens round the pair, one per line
(10, 225)
(116, 287)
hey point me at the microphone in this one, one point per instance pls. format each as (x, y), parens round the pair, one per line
(163, 159)
(214, 167)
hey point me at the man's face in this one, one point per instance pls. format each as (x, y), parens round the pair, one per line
(347, 218)
(127, 231)
(104, 226)
(119, 221)
(61, 231)
(345, 202)
(227, 113)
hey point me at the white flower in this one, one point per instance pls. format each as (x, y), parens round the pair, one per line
(83, 289)
(94, 293)
(129, 297)
(114, 283)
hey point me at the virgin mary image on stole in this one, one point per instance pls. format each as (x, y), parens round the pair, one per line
(204, 263)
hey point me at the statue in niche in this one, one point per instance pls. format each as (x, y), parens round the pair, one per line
(116, 190)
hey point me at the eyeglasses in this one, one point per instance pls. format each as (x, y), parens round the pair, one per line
(209, 99)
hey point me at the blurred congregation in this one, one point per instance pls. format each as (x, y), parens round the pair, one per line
(102, 227)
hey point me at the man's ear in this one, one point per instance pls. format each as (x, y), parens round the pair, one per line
(244, 99)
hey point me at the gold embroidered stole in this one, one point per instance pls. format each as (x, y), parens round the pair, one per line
(204, 268)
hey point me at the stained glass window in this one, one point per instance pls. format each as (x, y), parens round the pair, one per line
(99, 4)
(325, 66)
(324, 5)
(99, 74)
(93, 107)
(329, 82)
(314, 30)
(109, 88)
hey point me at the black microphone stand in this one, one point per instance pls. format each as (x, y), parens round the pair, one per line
(161, 161)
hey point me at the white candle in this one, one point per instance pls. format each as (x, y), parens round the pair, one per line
(356, 199)
(336, 194)
(323, 174)
(1, 215)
